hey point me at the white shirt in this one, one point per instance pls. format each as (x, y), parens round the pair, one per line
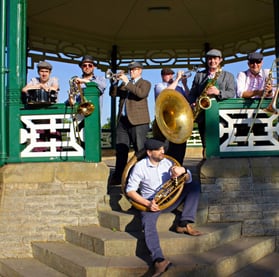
(246, 81)
(149, 178)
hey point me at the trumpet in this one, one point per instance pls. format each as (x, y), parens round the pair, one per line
(113, 76)
(188, 74)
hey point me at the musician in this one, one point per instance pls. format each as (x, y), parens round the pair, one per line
(224, 87)
(176, 150)
(87, 66)
(44, 81)
(251, 83)
(133, 116)
(51, 86)
(147, 177)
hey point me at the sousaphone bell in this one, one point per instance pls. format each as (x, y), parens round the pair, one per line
(174, 116)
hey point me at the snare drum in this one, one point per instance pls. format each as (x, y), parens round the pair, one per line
(38, 96)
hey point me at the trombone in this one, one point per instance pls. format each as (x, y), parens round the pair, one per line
(273, 75)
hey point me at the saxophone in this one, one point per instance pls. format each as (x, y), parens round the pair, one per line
(203, 102)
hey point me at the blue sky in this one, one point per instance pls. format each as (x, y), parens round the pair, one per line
(65, 71)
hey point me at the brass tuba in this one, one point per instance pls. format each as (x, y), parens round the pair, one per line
(85, 108)
(174, 116)
(168, 193)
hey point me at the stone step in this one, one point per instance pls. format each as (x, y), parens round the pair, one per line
(107, 242)
(267, 266)
(221, 261)
(129, 220)
(26, 267)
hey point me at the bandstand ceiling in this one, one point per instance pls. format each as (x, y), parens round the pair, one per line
(153, 31)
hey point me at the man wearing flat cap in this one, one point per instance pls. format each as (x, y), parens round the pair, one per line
(254, 83)
(214, 83)
(87, 65)
(146, 178)
(251, 83)
(133, 115)
(49, 84)
(175, 150)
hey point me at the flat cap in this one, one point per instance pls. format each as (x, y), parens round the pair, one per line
(255, 56)
(44, 64)
(214, 53)
(87, 59)
(154, 144)
(167, 71)
(135, 65)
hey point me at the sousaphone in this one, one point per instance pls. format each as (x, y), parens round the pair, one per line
(168, 193)
(174, 116)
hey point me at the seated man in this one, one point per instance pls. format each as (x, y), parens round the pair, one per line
(45, 82)
(146, 178)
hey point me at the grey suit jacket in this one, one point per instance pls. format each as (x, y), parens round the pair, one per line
(135, 97)
(225, 83)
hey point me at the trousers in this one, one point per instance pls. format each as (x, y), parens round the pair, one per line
(190, 197)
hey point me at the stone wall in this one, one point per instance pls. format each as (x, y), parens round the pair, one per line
(39, 199)
(244, 190)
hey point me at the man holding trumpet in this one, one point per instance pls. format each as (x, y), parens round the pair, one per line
(133, 116)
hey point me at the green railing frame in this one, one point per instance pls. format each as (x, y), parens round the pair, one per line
(92, 130)
(213, 125)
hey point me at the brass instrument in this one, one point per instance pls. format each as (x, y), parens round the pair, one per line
(274, 74)
(203, 102)
(85, 108)
(188, 74)
(168, 193)
(113, 76)
(272, 107)
(174, 116)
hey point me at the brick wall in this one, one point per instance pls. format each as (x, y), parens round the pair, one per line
(39, 199)
(244, 190)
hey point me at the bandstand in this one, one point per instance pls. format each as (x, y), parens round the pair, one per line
(62, 181)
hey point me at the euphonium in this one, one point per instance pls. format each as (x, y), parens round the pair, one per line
(85, 108)
(166, 195)
(203, 102)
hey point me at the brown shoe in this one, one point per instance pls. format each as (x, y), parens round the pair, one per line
(161, 267)
(188, 229)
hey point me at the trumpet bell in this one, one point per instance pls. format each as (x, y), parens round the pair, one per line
(174, 116)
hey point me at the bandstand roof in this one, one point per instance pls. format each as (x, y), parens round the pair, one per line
(153, 31)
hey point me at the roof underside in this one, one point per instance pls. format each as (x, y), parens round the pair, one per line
(155, 32)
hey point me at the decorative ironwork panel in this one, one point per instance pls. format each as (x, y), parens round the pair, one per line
(235, 125)
(55, 135)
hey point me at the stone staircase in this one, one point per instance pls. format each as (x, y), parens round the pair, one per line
(116, 248)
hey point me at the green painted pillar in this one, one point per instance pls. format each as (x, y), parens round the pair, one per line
(3, 150)
(92, 125)
(16, 55)
(212, 130)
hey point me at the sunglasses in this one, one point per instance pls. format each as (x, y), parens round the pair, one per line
(90, 65)
(255, 61)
